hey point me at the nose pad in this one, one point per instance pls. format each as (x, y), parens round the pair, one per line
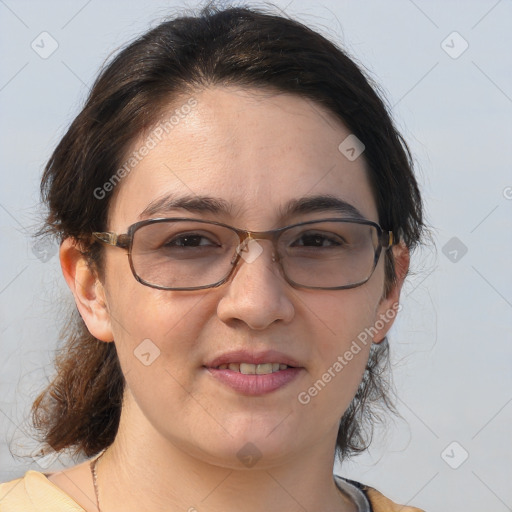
(249, 250)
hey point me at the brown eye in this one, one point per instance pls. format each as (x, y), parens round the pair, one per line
(318, 240)
(190, 240)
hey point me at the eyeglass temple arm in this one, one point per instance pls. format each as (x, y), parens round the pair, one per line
(388, 239)
(110, 238)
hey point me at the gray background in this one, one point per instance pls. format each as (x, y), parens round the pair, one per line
(451, 343)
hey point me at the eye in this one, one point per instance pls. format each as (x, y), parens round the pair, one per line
(319, 239)
(191, 240)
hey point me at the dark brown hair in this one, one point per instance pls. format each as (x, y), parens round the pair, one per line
(243, 47)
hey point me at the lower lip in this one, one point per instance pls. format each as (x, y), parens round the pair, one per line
(254, 385)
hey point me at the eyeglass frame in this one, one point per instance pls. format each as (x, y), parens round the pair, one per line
(385, 238)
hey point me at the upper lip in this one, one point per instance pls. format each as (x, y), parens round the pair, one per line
(246, 356)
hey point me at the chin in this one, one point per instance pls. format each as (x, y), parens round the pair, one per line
(247, 448)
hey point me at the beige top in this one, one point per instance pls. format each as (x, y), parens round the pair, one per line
(35, 493)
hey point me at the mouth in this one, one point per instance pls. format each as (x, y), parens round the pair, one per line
(251, 362)
(251, 373)
(254, 369)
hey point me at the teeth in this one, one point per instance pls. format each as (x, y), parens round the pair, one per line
(248, 368)
(254, 369)
(263, 369)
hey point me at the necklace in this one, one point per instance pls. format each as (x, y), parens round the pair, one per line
(95, 478)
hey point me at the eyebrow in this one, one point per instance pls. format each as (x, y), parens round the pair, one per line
(194, 204)
(215, 205)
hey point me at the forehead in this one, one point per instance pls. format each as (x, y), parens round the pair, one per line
(254, 150)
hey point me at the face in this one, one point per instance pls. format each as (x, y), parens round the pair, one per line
(256, 152)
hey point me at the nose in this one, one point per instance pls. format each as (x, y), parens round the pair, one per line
(257, 293)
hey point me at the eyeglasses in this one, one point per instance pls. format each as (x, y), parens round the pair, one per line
(192, 254)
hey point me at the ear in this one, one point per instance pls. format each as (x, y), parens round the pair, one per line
(390, 303)
(87, 289)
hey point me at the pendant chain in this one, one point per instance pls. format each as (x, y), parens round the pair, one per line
(95, 478)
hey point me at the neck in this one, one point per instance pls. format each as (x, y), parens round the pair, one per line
(167, 477)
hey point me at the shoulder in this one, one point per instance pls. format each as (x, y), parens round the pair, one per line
(380, 503)
(34, 493)
(377, 501)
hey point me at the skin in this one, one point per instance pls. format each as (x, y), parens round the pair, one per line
(180, 429)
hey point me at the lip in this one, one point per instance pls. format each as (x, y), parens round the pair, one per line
(254, 385)
(246, 356)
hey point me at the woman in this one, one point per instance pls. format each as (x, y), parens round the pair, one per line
(236, 213)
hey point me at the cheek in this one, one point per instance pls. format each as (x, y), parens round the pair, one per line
(341, 333)
(153, 328)
(339, 317)
(171, 324)
(156, 339)
(139, 312)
